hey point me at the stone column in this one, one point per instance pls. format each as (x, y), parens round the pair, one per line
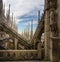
(47, 35)
(34, 44)
(15, 43)
(58, 12)
(47, 31)
(1, 8)
(51, 42)
(39, 50)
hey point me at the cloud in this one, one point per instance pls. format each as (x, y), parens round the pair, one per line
(21, 7)
(25, 11)
(29, 23)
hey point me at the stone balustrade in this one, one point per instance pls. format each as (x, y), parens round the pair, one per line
(19, 55)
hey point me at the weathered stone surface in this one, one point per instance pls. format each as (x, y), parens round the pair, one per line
(20, 55)
(25, 61)
(52, 29)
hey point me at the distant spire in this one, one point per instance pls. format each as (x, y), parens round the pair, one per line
(12, 17)
(1, 7)
(12, 21)
(4, 9)
(28, 30)
(8, 14)
(31, 29)
(22, 33)
(9, 10)
(15, 25)
(38, 16)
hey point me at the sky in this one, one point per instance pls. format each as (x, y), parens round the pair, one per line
(25, 11)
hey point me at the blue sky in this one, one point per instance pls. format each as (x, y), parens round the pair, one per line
(25, 11)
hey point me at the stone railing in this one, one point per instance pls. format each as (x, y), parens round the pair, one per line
(19, 55)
